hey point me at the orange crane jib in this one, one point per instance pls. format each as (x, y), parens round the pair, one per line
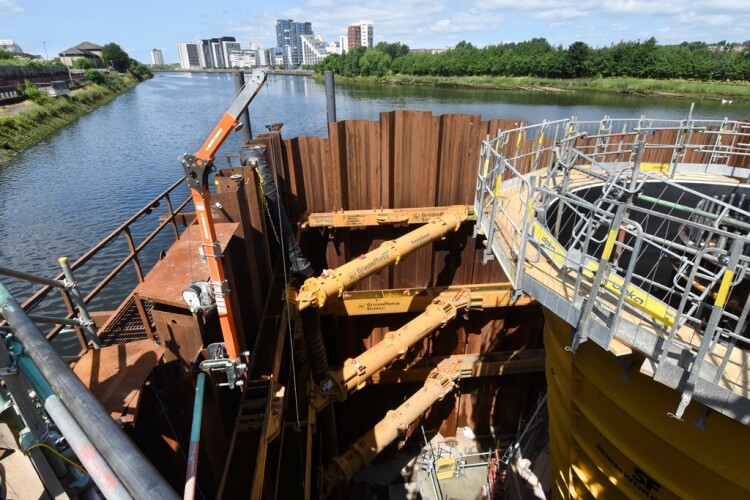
(197, 167)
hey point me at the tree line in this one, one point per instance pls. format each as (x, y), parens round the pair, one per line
(538, 58)
(113, 56)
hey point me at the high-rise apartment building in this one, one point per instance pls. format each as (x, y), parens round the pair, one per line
(360, 34)
(157, 58)
(189, 54)
(289, 34)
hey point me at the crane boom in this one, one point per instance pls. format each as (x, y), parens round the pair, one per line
(197, 168)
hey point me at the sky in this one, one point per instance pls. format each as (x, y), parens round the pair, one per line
(48, 27)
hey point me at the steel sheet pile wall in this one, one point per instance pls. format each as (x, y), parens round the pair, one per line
(406, 159)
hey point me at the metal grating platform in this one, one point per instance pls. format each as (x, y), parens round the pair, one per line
(126, 326)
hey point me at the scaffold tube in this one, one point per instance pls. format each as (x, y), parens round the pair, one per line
(93, 462)
(333, 282)
(135, 471)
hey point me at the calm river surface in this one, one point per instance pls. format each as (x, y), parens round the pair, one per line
(65, 194)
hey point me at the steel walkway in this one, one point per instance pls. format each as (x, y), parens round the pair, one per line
(635, 232)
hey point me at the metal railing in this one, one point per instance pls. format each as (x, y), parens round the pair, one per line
(134, 250)
(615, 227)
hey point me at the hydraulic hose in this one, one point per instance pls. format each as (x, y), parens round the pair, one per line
(253, 155)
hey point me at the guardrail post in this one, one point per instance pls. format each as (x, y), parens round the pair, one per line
(75, 294)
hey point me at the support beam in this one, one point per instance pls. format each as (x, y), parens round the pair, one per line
(396, 422)
(356, 372)
(382, 217)
(401, 300)
(332, 283)
(489, 364)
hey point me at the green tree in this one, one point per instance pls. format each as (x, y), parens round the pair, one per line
(577, 59)
(395, 50)
(374, 63)
(113, 55)
(33, 93)
(4, 54)
(83, 63)
(139, 70)
(95, 76)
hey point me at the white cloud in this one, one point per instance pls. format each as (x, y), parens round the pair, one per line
(8, 7)
(559, 15)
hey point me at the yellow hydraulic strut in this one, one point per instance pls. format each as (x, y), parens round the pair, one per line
(333, 282)
(439, 383)
(356, 372)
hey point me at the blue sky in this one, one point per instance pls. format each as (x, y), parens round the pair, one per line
(139, 25)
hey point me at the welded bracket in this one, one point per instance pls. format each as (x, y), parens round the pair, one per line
(196, 170)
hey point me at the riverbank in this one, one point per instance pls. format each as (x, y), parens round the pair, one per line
(631, 86)
(25, 124)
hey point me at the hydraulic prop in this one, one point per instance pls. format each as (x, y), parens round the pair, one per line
(197, 167)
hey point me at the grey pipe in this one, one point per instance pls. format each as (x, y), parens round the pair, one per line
(139, 476)
(87, 324)
(108, 483)
(330, 96)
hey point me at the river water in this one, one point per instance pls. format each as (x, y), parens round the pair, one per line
(65, 194)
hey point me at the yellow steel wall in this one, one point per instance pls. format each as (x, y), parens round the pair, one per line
(611, 435)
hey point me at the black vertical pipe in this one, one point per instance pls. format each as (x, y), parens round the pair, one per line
(138, 474)
(330, 96)
(246, 132)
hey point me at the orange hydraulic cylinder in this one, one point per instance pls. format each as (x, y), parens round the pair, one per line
(355, 372)
(438, 384)
(333, 282)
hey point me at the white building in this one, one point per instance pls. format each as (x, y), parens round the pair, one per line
(190, 55)
(217, 54)
(313, 50)
(157, 58)
(262, 58)
(333, 48)
(343, 43)
(227, 47)
(243, 58)
(365, 26)
(359, 35)
(10, 46)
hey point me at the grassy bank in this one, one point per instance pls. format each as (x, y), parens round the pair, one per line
(672, 88)
(26, 128)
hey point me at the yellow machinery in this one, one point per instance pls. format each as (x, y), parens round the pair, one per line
(355, 372)
(333, 282)
(439, 383)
